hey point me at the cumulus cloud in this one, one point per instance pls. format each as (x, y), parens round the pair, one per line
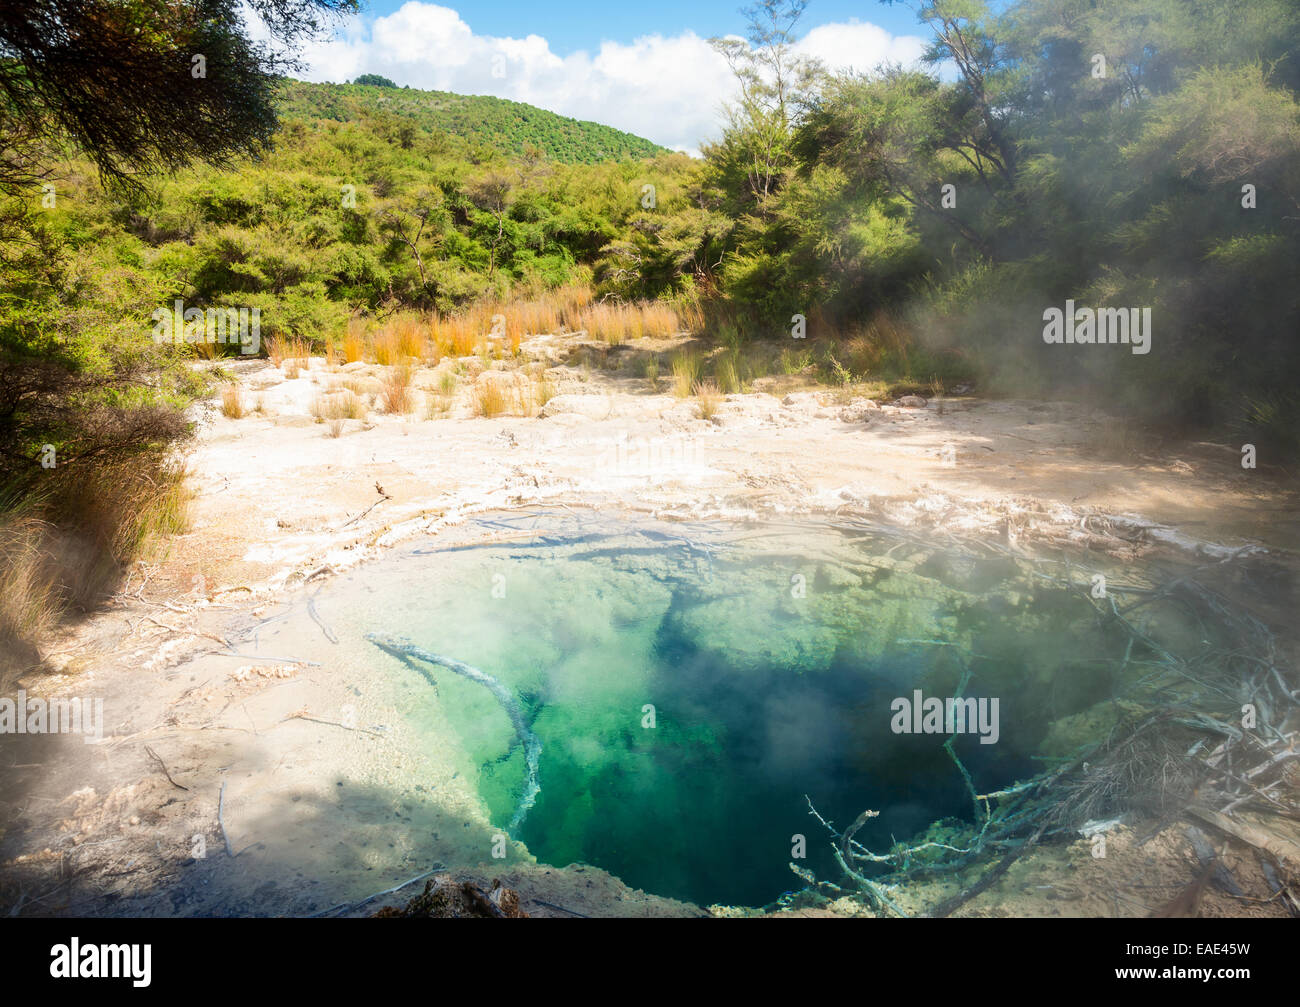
(666, 88)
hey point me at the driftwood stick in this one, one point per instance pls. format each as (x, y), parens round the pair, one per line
(948, 906)
(552, 905)
(330, 723)
(163, 766)
(187, 632)
(371, 898)
(1282, 849)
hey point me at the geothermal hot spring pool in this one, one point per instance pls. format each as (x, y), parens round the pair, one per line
(694, 687)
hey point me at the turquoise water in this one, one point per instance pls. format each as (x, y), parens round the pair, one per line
(694, 688)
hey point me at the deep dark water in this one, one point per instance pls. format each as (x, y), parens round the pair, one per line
(705, 807)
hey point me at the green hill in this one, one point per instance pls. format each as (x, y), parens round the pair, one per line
(506, 126)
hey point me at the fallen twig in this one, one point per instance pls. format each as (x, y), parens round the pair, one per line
(188, 632)
(330, 723)
(552, 905)
(371, 898)
(163, 766)
(948, 906)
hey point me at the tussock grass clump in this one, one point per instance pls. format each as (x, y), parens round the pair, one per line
(458, 335)
(67, 544)
(386, 347)
(538, 317)
(489, 399)
(659, 320)
(362, 387)
(543, 388)
(277, 348)
(690, 317)
(296, 351)
(410, 336)
(205, 350)
(354, 341)
(686, 365)
(570, 301)
(708, 398)
(395, 393)
(729, 372)
(30, 599)
(618, 323)
(232, 401)
(881, 347)
(343, 404)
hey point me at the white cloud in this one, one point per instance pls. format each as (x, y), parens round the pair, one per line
(859, 45)
(666, 88)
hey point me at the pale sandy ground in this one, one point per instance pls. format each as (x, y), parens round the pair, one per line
(280, 503)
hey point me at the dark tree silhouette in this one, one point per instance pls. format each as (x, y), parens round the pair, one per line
(142, 85)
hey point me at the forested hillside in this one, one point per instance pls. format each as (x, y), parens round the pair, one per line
(481, 120)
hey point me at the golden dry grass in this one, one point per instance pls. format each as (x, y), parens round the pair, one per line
(354, 341)
(69, 545)
(570, 301)
(458, 335)
(618, 323)
(386, 347)
(690, 317)
(292, 354)
(659, 320)
(206, 350)
(538, 317)
(543, 389)
(277, 348)
(232, 401)
(29, 583)
(707, 399)
(686, 366)
(410, 336)
(395, 393)
(343, 404)
(488, 399)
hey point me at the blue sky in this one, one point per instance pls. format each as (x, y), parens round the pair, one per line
(644, 68)
(584, 24)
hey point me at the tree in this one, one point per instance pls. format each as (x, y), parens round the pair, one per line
(374, 80)
(772, 79)
(494, 193)
(406, 222)
(141, 86)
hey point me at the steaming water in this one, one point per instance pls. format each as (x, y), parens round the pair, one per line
(770, 657)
